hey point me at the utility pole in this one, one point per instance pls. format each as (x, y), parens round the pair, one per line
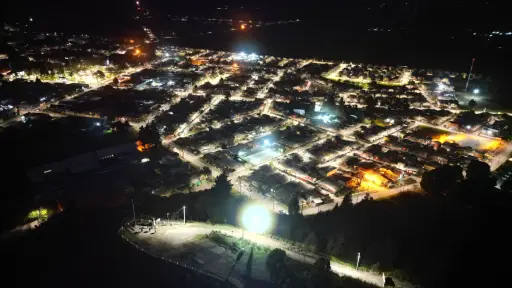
(168, 218)
(358, 257)
(469, 75)
(184, 211)
(133, 208)
(273, 200)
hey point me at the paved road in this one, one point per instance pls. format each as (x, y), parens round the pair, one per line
(177, 235)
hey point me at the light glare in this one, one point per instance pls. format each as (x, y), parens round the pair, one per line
(256, 218)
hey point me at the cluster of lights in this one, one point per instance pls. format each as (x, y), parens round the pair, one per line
(390, 121)
(325, 118)
(246, 57)
(441, 87)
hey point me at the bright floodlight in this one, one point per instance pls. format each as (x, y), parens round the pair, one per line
(266, 142)
(256, 218)
(476, 91)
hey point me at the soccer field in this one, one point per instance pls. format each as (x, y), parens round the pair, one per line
(262, 156)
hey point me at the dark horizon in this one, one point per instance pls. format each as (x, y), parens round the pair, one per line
(411, 14)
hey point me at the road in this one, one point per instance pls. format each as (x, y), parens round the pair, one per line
(176, 236)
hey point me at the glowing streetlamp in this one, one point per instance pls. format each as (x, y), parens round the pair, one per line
(476, 91)
(256, 218)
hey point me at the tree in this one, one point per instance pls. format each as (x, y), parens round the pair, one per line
(479, 177)
(248, 266)
(442, 180)
(293, 206)
(222, 186)
(367, 197)
(322, 265)
(370, 102)
(275, 265)
(149, 134)
(115, 81)
(321, 273)
(311, 240)
(335, 245)
(506, 186)
(206, 171)
(342, 114)
(99, 74)
(472, 104)
(347, 201)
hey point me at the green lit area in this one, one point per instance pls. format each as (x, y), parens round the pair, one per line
(41, 213)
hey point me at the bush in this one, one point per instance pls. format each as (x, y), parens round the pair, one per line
(400, 274)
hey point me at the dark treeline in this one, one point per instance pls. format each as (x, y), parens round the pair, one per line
(452, 235)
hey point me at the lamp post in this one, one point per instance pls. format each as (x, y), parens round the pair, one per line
(168, 218)
(273, 199)
(184, 211)
(358, 258)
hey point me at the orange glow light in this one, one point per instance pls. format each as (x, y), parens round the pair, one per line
(132, 41)
(242, 27)
(491, 145)
(374, 178)
(451, 138)
(136, 52)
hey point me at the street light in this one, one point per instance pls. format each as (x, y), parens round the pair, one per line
(184, 211)
(256, 218)
(476, 91)
(358, 258)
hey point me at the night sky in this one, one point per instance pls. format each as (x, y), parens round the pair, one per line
(412, 14)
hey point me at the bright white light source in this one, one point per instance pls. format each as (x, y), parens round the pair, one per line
(144, 160)
(476, 91)
(47, 171)
(325, 118)
(256, 218)
(468, 127)
(266, 142)
(97, 123)
(167, 55)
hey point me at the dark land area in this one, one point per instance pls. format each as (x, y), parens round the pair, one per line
(82, 249)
